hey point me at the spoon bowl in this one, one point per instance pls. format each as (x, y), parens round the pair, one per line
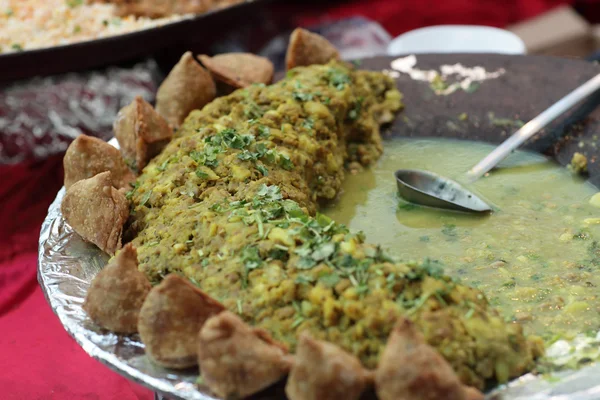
(433, 190)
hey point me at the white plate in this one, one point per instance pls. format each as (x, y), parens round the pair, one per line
(457, 39)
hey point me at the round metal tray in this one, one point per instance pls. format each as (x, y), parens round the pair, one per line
(526, 86)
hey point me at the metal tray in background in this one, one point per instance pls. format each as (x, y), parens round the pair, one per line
(172, 38)
(67, 265)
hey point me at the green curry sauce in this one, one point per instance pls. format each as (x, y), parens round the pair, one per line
(537, 258)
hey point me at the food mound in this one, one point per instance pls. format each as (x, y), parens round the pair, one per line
(251, 283)
(229, 203)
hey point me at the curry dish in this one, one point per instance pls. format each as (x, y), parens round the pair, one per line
(535, 258)
(231, 203)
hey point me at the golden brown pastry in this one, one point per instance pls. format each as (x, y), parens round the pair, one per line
(307, 48)
(472, 393)
(410, 369)
(323, 371)
(97, 211)
(116, 294)
(239, 69)
(142, 132)
(187, 87)
(88, 156)
(237, 360)
(170, 319)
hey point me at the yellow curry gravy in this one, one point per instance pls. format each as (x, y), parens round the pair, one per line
(536, 258)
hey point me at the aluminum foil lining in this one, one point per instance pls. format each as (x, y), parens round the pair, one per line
(67, 265)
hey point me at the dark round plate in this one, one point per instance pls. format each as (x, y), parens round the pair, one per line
(67, 265)
(497, 107)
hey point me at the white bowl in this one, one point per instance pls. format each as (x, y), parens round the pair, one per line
(457, 39)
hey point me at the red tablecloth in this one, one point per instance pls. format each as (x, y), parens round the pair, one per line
(38, 360)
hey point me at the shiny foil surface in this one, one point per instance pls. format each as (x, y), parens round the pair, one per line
(67, 265)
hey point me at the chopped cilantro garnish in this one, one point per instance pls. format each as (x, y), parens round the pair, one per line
(330, 280)
(308, 123)
(470, 313)
(246, 155)
(232, 139)
(270, 193)
(74, 3)
(278, 254)
(323, 251)
(285, 162)
(306, 263)
(338, 79)
(262, 169)
(145, 198)
(304, 280)
(163, 166)
(134, 186)
(252, 110)
(433, 268)
(297, 322)
(407, 206)
(354, 113)
(264, 131)
(302, 96)
(362, 288)
(251, 259)
(201, 174)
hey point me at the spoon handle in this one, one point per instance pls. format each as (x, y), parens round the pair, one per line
(532, 127)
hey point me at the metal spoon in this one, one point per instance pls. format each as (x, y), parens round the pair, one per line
(433, 190)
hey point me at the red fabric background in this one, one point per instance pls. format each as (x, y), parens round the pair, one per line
(399, 16)
(38, 360)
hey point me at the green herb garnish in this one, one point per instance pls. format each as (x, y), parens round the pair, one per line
(338, 79)
(201, 174)
(74, 3)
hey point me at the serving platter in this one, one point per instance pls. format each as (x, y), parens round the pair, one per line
(176, 36)
(483, 97)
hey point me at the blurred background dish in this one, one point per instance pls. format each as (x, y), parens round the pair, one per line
(457, 39)
(59, 36)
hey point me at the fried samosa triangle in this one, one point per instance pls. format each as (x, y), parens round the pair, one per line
(323, 371)
(142, 132)
(237, 360)
(187, 87)
(171, 317)
(307, 48)
(97, 211)
(88, 156)
(117, 293)
(410, 369)
(239, 69)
